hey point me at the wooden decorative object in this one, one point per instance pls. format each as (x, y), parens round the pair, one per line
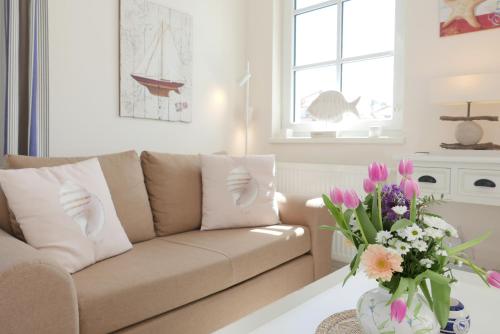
(483, 146)
(471, 118)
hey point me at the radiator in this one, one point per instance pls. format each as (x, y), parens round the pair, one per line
(314, 180)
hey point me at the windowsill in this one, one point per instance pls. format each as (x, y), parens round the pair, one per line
(342, 140)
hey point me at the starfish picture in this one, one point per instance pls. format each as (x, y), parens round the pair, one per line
(463, 9)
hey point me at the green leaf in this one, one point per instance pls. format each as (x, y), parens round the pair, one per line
(376, 210)
(335, 212)
(402, 288)
(347, 233)
(401, 224)
(479, 272)
(466, 245)
(441, 298)
(355, 263)
(365, 225)
(441, 290)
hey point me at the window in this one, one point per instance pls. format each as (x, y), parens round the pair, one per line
(340, 45)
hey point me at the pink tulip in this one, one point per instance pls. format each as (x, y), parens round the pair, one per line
(410, 188)
(398, 310)
(494, 279)
(351, 199)
(368, 185)
(378, 172)
(384, 172)
(405, 168)
(337, 196)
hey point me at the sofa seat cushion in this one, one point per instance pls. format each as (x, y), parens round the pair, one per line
(154, 277)
(251, 251)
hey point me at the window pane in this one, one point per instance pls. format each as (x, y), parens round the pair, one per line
(368, 27)
(299, 4)
(308, 85)
(372, 80)
(316, 36)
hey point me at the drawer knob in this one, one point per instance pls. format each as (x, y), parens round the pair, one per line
(485, 183)
(427, 179)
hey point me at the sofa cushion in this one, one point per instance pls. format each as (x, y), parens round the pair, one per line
(125, 180)
(238, 191)
(66, 212)
(251, 250)
(154, 277)
(173, 182)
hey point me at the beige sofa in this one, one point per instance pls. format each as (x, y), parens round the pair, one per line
(176, 279)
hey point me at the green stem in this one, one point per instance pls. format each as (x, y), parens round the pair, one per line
(413, 209)
(379, 203)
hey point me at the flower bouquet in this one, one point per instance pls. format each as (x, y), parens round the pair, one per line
(404, 247)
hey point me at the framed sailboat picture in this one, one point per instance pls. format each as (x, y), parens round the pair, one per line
(155, 61)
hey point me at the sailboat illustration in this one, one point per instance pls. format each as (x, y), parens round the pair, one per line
(159, 71)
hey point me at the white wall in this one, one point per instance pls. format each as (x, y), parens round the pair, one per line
(84, 74)
(426, 56)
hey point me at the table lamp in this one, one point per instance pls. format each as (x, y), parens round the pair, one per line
(466, 90)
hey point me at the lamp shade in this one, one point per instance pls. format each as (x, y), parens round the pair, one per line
(454, 90)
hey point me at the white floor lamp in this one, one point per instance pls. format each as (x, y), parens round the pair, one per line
(245, 81)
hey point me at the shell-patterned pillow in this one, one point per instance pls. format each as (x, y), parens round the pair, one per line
(66, 212)
(238, 191)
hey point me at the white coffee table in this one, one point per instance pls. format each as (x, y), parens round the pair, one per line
(302, 311)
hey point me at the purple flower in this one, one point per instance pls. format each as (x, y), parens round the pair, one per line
(392, 196)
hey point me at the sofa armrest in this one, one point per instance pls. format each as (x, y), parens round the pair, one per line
(36, 295)
(305, 211)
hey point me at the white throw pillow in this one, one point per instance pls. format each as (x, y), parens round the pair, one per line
(66, 212)
(238, 191)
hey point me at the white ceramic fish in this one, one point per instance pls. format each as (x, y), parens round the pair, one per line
(331, 105)
(84, 208)
(242, 186)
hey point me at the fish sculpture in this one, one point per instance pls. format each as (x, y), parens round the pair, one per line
(84, 208)
(242, 187)
(331, 105)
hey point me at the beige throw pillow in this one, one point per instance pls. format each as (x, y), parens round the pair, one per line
(66, 212)
(173, 182)
(238, 191)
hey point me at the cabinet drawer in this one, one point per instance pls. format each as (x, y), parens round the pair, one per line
(476, 182)
(433, 180)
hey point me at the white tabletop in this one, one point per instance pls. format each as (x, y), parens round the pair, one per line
(303, 310)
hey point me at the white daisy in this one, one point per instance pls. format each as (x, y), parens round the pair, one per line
(400, 209)
(426, 263)
(402, 247)
(392, 242)
(383, 236)
(441, 252)
(434, 233)
(440, 224)
(451, 231)
(419, 245)
(414, 232)
(402, 233)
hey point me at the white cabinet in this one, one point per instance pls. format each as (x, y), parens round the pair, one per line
(469, 178)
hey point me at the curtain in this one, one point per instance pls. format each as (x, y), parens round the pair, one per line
(25, 117)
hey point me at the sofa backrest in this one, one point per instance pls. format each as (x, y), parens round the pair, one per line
(173, 182)
(125, 180)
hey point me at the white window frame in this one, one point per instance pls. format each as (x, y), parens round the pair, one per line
(391, 128)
